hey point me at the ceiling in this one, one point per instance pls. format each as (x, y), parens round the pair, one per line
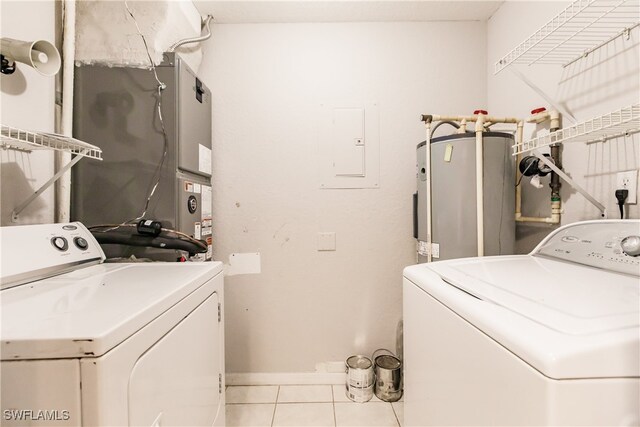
(270, 11)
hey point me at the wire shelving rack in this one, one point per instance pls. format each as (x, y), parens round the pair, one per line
(581, 28)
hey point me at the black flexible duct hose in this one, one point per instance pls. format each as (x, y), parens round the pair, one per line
(165, 240)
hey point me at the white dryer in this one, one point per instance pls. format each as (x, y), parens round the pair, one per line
(549, 338)
(94, 344)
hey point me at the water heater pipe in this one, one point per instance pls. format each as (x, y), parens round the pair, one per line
(480, 184)
(463, 126)
(556, 207)
(480, 120)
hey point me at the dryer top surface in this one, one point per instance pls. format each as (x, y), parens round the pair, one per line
(91, 310)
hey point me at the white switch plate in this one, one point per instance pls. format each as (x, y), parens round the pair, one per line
(628, 180)
(327, 241)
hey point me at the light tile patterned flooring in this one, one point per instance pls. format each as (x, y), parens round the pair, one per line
(306, 405)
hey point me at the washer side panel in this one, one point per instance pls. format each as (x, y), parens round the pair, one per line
(456, 375)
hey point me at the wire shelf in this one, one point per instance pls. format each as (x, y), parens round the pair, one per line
(17, 139)
(624, 121)
(581, 28)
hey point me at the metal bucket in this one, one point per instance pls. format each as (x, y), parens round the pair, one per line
(388, 370)
(360, 378)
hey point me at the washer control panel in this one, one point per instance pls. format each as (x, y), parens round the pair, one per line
(612, 245)
(32, 252)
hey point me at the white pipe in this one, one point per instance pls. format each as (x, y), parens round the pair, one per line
(474, 118)
(427, 167)
(480, 183)
(519, 137)
(553, 219)
(63, 185)
(554, 116)
(556, 210)
(519, 132)
(463, 126)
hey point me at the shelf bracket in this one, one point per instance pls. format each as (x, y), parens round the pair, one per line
(571, 182)
(536, 89)
(16, 212)
(626, 33)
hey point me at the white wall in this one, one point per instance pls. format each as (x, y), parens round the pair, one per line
(268, 81)
(27, 101)
(604, 81)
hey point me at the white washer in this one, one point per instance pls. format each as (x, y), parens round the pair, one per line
(549, 338)
(93, 344)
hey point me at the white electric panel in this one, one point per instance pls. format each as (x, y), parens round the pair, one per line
(348, 142)
(349, 145)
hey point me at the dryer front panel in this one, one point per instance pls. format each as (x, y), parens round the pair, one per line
(177, 381)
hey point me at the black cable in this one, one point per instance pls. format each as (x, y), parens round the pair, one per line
(622, 195)
(127, 234)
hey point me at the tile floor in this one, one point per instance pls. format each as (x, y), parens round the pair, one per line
(306, 405)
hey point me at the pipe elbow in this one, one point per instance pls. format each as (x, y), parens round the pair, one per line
(556, 122)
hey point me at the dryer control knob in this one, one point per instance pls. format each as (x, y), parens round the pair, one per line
(631, 245)
(80, 243)
(60, 243)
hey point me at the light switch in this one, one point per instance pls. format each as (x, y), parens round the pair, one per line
(327, 241)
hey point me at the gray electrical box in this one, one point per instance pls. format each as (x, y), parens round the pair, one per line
(117, 109)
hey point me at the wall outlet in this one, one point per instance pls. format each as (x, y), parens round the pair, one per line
(628, 180)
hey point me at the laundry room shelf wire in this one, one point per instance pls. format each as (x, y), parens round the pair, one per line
(581, 28)
(624, 121)
(12, 138)
(17, 139)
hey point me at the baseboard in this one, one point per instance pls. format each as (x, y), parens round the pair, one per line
(284, 378)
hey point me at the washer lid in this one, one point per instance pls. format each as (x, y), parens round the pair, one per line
(566, 320)
(91, 310)
(564, 297)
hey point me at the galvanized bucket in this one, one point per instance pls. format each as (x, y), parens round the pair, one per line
(388, 371)
(360, 378)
